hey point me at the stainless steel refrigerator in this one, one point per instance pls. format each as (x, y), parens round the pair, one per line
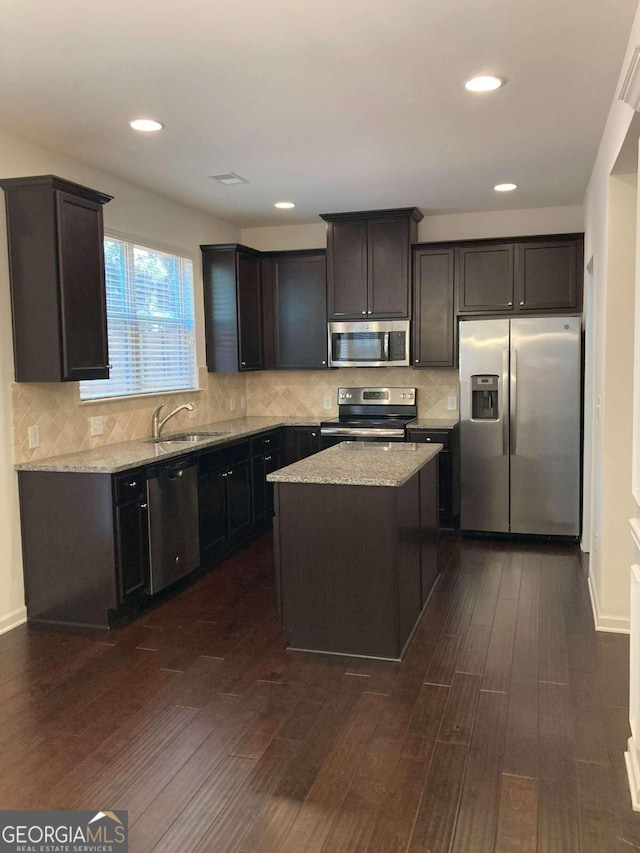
(520, 393)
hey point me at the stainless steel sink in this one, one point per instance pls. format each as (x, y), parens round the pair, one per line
(184, 438)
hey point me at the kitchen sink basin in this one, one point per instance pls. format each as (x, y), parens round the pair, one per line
(184, 438)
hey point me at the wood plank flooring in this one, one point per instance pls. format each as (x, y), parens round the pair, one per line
(503, 730)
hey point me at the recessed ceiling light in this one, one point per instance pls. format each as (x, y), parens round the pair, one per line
(505, 188)
(148, 125)
(284, 205)
(484, 84)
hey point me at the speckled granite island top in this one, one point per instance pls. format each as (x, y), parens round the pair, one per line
(433, 423)
(112, 458)
(359, 463)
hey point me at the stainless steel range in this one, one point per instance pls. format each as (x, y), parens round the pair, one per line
(370, 414)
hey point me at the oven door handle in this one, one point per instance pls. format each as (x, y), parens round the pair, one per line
(385, 345)
(373, 433)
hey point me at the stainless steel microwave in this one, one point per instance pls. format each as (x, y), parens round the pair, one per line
(369, 343)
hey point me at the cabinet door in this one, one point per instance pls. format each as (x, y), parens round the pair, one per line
(82, 288)
(262, 490)
(433, 308)
(389, 245)
(347, 269)
(212, 508)
(238, 481)
(132, 549)
(249, 312)
(300, 312)
(485, 280)
(445, 472)
(301, 442)
(547, 276)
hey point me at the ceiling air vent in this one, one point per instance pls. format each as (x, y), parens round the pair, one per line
(229, 179)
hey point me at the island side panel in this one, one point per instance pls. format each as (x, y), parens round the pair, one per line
(408, 569)
(337, 548)
(68, 547)
(429, 521)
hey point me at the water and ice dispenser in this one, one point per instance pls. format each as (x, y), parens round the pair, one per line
(484, 398)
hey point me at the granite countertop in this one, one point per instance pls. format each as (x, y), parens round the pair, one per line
(433, 423)
(112, 458)
(359, 463)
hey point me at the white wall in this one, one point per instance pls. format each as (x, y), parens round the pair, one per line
(610, 215)
(434, 228)
(133, 211)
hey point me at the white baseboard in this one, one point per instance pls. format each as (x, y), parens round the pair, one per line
(604, 621)
(13, 619)
(633, 774)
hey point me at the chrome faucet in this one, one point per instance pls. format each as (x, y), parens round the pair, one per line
(157, 424)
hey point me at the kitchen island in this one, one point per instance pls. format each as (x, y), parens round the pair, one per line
(356, 534)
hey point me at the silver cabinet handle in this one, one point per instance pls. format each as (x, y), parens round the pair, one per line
(522, 303)
(109, 366)
(503, 409)
(369, 312)
(416, 361)
(267, 458)
(324, 362)
(133, 484)
(229, 473)
(225, 474)
(363, 312)
(313, 435)
(243, 363)
(509, 303)
(143, 506)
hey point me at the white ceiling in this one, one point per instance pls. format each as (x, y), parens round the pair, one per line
(335, 104)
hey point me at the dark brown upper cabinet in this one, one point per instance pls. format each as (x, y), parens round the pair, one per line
(532, 274)
(233, 307)
(485, 278)
(547, 275)
(369, 263)
(295, 310)
(434, 325)
(56, 263)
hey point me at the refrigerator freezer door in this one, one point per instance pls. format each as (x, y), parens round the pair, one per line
(545, 425)
(484, 440)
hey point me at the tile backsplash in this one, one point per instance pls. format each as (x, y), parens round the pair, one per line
(302, 393)
(64, 423)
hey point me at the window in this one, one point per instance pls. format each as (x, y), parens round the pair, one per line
(150, 322)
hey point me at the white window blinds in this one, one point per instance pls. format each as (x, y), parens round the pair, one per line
(150, 322)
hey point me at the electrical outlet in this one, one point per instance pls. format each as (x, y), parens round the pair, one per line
(192, 414)
(595, 545)
(243, 403)
(232, 403)
(327, 401)
(97, 425)
(599, 407)
(452, 404)
(34, 437)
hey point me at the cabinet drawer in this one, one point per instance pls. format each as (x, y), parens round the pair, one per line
(223, 457)
(431, 436)
(131, 486)
(265, 442)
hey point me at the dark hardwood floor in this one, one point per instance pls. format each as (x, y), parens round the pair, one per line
(503, 729)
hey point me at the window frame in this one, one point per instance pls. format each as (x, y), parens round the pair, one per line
(131, 242)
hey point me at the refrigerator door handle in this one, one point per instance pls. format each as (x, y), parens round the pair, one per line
(514, 402)
(503, 407)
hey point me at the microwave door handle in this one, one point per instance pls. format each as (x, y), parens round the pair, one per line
(385, 345)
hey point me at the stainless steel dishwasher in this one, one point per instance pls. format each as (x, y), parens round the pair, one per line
(172, 493)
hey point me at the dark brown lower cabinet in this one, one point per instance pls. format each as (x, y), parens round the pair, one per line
(224, 500)
(132, 538)
(355, 564)
(85, 549)
(300, 442)
(448, 470)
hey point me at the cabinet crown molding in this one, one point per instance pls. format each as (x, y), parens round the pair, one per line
(413, 212)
